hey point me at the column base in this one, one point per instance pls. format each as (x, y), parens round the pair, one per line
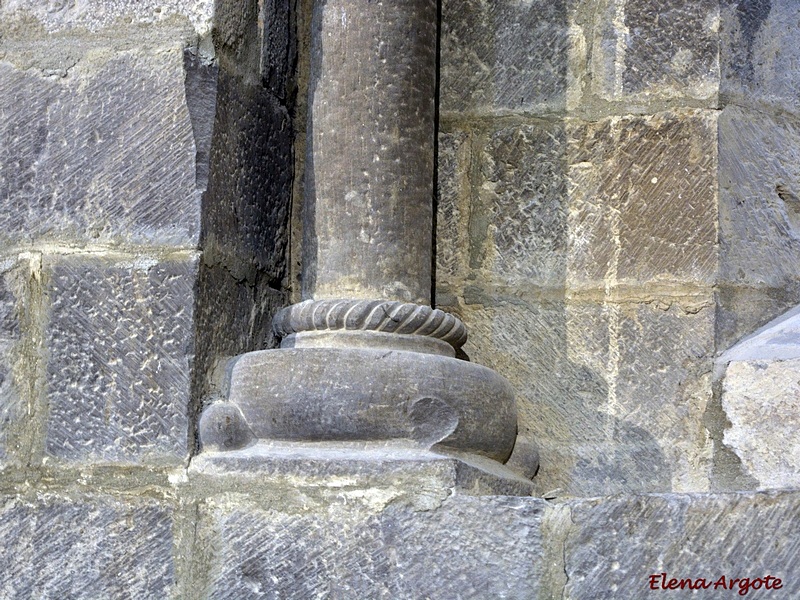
(361, 465)
(363, 395)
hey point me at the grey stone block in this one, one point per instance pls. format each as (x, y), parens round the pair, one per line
(759, 204)
(742, 310)
(519, 226)
(616, 544)
(466, 548)
(120, 343)
(94, 16)
(107, 153)
(500, 56)
(642, 205)
(12, 303)
(85, 548)
(647, 50)
(453, 208)
(760, 57)
(614, 394)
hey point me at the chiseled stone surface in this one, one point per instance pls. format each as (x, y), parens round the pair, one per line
(453, 207)
(59, 15)
(759, 198)
(759, 220)
(761, 399)
(519, 225)
(642, 206)
(465, 548)
(614, 394)
(503, 55)
(369, 156)
(760, 56)
(615, 544)
(85, 548)
(11, 305)
(647, 50)
(107, 152)
(246, 211)
(120, 344)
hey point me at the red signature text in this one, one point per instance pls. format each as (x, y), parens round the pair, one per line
(743, 585)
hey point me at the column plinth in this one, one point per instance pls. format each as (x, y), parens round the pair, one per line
(365, 359)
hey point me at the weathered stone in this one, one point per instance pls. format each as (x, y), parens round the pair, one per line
(646, 50)
(106, 153)
(399, 468)
(120, 347)
(93, 16)
(760, 399)
(11, 306)
(319, 394)
(760, 391)
(616, 544)
(467, 547)
(518, 229)
(642, 200)
(453, 209)
(760, 57)
(246, 211)
(82, 548)
(278, 48)
(503, 55)
(759, 191)
(613, 394)
(369, 160)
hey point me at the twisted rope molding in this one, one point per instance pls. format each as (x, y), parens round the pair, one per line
(370, 315)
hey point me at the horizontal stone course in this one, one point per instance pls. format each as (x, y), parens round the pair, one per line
(468, 547)
(85, 548)
(60, 16)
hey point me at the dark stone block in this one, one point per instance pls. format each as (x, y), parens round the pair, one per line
(247, 204)
(120, 343)
(759, 54)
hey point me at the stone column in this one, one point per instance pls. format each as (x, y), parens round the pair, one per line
(365, 358)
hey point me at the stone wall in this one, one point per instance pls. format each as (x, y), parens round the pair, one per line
(618, 187)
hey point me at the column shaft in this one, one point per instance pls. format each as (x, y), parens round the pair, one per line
(369, 165)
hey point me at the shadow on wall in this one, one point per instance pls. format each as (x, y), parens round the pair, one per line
(245, 100)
